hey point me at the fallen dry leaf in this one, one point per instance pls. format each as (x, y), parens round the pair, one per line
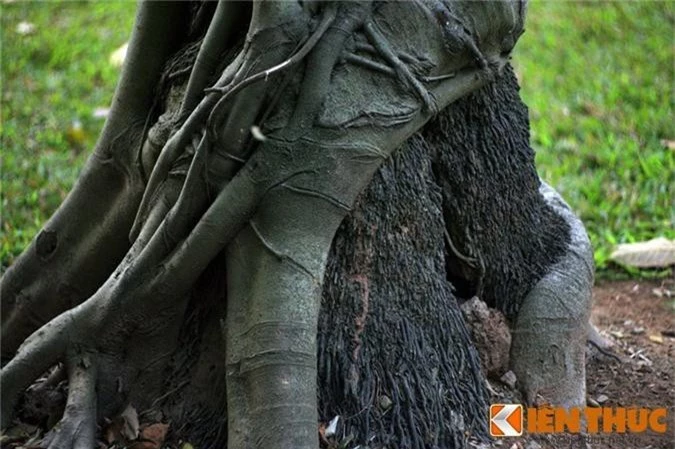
(25, 28)
(152, 437)
(656, 339)
(123, 428)
(130, 427)
(670, 144)
(658, 252)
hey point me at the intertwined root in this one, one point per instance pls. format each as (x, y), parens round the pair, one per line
(262, 194)
(86, 238)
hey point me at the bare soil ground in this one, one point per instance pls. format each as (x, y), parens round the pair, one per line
(638, 319)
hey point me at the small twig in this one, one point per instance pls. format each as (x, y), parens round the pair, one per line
(214, 117)
(636, 353)
(405, 75)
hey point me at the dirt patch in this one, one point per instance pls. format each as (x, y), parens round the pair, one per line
(637, 318)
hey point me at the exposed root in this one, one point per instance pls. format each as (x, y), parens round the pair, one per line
(176, 144)
(604, 351)
(171, 151)
(552, 363)
(39, 352)
(216, 105)
(89, 229)
(77, 428)
(215, 117)
(401, 69)
(217, 40)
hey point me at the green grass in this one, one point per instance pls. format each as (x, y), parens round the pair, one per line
(598, 78)
(52, 79)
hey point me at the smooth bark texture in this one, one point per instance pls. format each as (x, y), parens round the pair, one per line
(288, 264)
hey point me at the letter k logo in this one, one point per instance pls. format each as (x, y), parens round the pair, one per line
(506, 420)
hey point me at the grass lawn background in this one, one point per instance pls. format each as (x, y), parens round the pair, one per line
(598, 79)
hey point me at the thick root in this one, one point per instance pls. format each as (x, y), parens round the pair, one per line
(77, 428)
(550, 331)
(84, 240)
(39, 352)
(273, 290)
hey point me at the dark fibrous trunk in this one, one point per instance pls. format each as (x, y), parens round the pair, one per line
(493, 211)
(395, 359)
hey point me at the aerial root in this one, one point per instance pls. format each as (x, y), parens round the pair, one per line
(77, 428)
(212, 110)
(193, 198)
(171, 151)
(169, 195)
(218, 37)
(215, 118)
(282, 256)
(42, 350)
(400, 68)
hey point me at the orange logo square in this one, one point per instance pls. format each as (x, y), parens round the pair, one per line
(506, 420)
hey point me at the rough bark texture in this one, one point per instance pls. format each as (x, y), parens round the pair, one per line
(390, 328)
(395, 359)
(493, 210)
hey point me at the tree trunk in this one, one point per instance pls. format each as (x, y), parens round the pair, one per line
(309, 268)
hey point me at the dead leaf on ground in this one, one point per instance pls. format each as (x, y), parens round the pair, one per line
(670, 144)
(655, 253)
(152, 437)
(25, 28)
(124, 427)
(656, 339)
